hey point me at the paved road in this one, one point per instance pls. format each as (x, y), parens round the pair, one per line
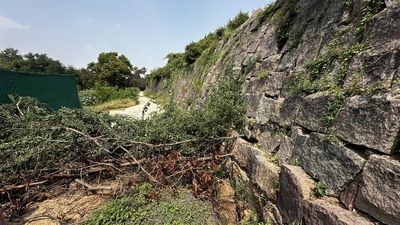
(136, 111)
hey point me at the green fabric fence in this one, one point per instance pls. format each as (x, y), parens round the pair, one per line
(55, 90)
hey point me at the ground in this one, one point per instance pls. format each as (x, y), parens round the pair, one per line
(136, 111)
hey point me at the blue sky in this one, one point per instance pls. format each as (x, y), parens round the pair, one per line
(76, 31)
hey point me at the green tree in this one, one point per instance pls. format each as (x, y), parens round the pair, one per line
(112, 69)
(41, 63)
(10, 59)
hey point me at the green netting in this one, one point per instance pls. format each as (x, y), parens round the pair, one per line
(55, 90)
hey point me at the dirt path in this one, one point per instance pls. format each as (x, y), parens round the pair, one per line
(136, 111)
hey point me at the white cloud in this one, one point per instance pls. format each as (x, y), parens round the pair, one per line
(7, 23)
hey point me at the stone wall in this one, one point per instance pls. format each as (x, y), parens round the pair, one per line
(322, 136)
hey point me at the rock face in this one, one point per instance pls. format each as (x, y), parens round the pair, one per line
(266, 175)
(379, 192)
(371, 121)
(226, 203)
(295, 189)
(322, 86)
(331, 163)
(313, 110)
(320, 212)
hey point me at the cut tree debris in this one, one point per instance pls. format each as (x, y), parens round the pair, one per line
(43, 152)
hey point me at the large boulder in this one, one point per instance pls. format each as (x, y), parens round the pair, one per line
(225, 202)
(295, 188)
(313, 110)
(245, 153)
(262, 108)
(370, 121)
(270, 137)
(321, 212)
(379, 193)
(266, 176)
(385, 26)
(331, 163)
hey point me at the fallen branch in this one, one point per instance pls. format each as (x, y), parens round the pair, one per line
(19, 110)
(162, 145)
(21, 186)
(141, 167)
(214, 157)
(90, 187)
(89, 137)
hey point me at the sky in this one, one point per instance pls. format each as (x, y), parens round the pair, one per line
(76, 31)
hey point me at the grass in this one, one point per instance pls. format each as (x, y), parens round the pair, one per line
(114, 104)
(146, 205)
(319, 189)
(265, 13)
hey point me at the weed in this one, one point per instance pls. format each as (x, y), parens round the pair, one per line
(283, 19)
(247, 68)
(138, 208)
(370, 8)
(319, 190)
(265, 13)
(115, 104)
(101, 94)
(347, 3)
(294, 162)
(236, 22)
(263, 74)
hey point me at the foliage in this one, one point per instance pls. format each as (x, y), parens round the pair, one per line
(263, 15)
(236, 22)
(369, 9)
(115, 104)
(316, 77)
(139, 208)
(250, 65)
(10, 59)
(195, 49)
(84, 78)
(201, 52)
(263, 74)
(34, 137)
(100, 94)
(283, 19)
(319, 189)
(112, 69)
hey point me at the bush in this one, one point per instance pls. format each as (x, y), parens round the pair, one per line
(34, 137)
(236, 22)
(195, 49)
(100, 94)
(265, 13)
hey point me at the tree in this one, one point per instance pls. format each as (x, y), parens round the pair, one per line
(85, 79)
(41, 63)
(10, 59)
(112, 69)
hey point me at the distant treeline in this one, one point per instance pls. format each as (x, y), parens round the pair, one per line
(111, 69)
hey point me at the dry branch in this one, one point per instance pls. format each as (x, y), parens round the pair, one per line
(22, 186)
(91, 187)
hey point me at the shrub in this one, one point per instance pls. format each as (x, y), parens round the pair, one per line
(319, 189)
(34, 137)
(265, 13)
(195, 49)
(100, 94)
(236, 22)
(220, 32)
(283, 19)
